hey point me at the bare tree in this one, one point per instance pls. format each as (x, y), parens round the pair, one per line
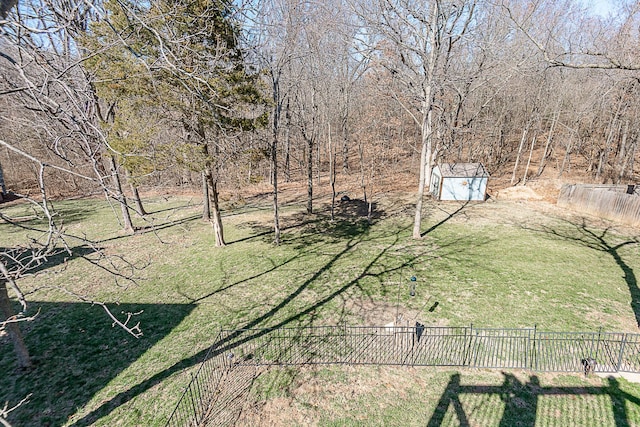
(417, 40)
(273, 41)
(572, 37)
(45, 75)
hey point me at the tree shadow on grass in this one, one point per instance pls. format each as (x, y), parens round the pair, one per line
(350, 220)
(351, 237)
(154, 228)
(308, 230)
(602, 241)
(24, 214)
(77, 352)
(306, 313)
(519, 404)
(32, 261)
(449, 216)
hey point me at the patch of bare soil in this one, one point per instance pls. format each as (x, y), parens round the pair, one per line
(314, 395)
(378, 313)
(518, 193)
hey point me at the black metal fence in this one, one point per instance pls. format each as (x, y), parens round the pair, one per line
(219, 387)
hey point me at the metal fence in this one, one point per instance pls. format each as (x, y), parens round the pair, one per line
(218, 389)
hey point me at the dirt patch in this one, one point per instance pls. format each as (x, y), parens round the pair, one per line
(317, 393)
(377, 313)
(517, 193)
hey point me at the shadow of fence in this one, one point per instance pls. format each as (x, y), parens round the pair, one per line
(527, 404)
(216, 393)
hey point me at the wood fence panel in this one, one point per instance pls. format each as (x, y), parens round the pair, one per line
(610, 203)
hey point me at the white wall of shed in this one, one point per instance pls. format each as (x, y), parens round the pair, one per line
(464, 189)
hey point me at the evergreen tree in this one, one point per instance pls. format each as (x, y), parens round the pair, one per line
(183, 58)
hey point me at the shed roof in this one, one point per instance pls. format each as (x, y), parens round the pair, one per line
(463, 170)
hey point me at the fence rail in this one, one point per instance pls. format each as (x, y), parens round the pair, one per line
(613, 202)
(216, 391)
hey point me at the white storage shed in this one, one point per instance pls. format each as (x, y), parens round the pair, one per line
(459, 181)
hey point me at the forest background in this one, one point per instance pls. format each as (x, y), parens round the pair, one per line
(230, 98)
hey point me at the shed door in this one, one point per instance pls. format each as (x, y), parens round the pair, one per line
(435, 185)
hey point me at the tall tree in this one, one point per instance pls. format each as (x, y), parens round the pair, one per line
(188, 56)
(418, 40)
(273, 41)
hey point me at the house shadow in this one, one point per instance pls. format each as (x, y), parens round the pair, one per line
(517, 403)
(33, 260)
(77, 352)
(282, 313)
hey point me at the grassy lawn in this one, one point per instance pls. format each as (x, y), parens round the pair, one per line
(382, 396)
(498, 264)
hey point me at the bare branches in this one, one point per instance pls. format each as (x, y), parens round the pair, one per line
(6, 410)
(126, 324)
(585, 54)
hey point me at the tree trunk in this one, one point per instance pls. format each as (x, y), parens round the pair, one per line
(211, 197)
(215, 213)
(522, 141)
(600, 164)
(126, 215)
(425, 170)
(548, 144)
(567, 154)
(332, 176)
(22, 353)
(604, 155)
(632, 155)
(3, 188)
(345, 137)
(318, 157)
(136, 198)
(206, 206)
(363, 183)
(309, 175)
(427, 117)
(287, 144)
(622, 160)
(274, 178)
(526, 169)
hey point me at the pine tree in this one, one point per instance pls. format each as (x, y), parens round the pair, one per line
(183, 58)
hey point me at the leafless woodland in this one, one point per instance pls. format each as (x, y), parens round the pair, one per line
(106, 96)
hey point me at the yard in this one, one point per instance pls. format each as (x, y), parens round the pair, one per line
(497, 264)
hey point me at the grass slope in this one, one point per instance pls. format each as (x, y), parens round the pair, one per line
(500, 264)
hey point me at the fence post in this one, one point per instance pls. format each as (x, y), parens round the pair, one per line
(343, 354)
(467, 359)
(595, 356)
(534, 354)
(193, 403)
(621, 354)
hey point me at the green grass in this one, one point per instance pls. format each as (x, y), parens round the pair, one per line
(481, 266)
(383, 396)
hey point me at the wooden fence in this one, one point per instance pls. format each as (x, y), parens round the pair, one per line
(616, 202)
